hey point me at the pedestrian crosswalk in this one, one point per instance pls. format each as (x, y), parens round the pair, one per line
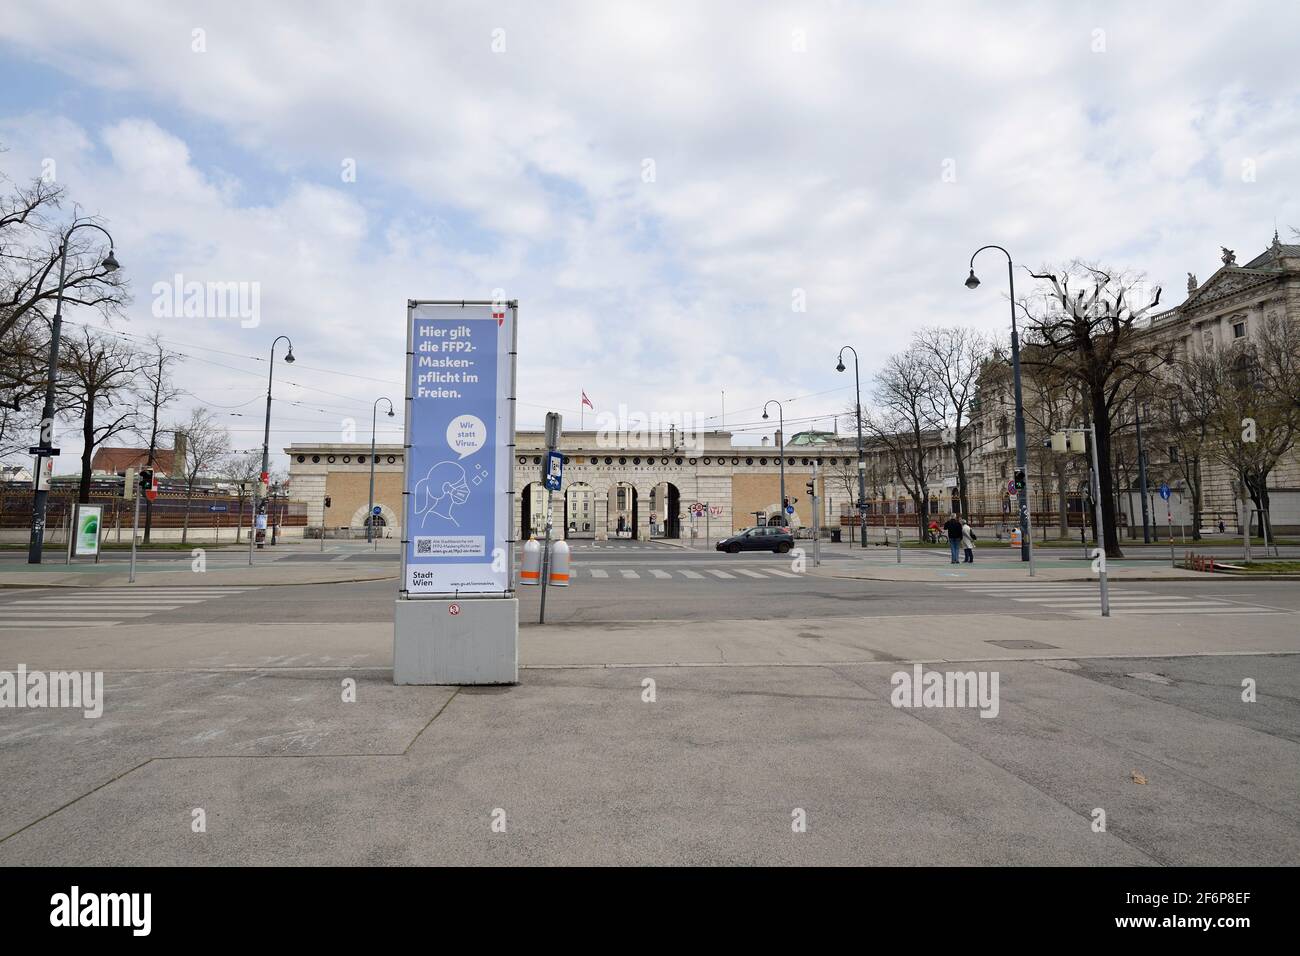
(101, 607)
(733, 574)
(1083, 598)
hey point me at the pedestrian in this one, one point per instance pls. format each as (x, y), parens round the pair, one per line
(968, 541)
(953, 527)
(1222, 526)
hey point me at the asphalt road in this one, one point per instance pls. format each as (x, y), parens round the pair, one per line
(627, 581)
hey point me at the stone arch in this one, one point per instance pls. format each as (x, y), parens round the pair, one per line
(389, 523)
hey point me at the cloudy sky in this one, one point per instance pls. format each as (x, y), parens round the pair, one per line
(659, 184)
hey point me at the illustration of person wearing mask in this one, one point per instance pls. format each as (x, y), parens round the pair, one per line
(440, 490)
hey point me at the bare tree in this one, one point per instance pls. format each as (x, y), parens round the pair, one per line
(241, 469)
(1253, 424)
(207, 444)
(1097, 338)
(904, 423)
(156, 391)
(95, 382)
(955, 356)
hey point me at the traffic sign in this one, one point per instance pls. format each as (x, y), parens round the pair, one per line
(376, 511)
(554, 470)
(453, 609)
(42, 452)
(789, 509)
(1164, 490)
(218, 508)
(1011, 486)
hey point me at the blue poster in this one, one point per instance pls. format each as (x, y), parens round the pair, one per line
(459, 427)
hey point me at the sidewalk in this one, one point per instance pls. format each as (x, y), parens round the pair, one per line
(749, 721)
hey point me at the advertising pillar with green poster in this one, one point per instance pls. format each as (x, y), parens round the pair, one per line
(85, 538)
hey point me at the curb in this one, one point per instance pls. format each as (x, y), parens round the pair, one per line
(219, 584)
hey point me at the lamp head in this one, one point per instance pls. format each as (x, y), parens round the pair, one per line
(390, 413)
(971, 281)
(765, 413)
(840, 367)
(110, 262)
(289, 358)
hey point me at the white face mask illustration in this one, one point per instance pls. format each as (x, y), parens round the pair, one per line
(436, 494)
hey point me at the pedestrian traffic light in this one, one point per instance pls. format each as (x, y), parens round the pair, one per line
(146, 479)
(1020, 480)
(785, 502)
(812, 492)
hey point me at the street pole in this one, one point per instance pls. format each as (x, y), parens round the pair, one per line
(780, 450)
(370, 508)
(1169, 517)
(546, 555)
(45, 445)
(862, 464)
(1101, 533)
(266, 443)
(1142, 475)
(1022, 451)
(135, 525)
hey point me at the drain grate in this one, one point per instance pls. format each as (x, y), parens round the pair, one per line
(1025, 645)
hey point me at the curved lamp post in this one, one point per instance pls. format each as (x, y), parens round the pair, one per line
(781, 451)
(45, 445)
(266, 441)
(1022, 453)
(862, 464)
(370, 509)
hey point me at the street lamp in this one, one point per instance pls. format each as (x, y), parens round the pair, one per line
(781, 450)
(266, 442)
(1022, 493)
(370, 510)
(862, 465)
(45, 446)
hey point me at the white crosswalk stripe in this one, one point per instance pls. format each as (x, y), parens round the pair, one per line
(1083, 598)
(102, 607)
(733, 574)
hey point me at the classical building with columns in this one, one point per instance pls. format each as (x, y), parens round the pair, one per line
(643, 488)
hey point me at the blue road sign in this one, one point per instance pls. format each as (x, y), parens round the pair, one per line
(554, 470)
(1164, 490)
(218, 507)
(376, 511)
(789, 509)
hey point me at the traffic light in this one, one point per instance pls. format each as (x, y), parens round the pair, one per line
(146, 479)
(327, 501)
(785, 502)
(812, 492)
(1020, 480)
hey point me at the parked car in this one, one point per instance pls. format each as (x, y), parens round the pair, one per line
(775, 539)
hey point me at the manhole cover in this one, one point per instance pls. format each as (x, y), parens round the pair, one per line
(1024, 645)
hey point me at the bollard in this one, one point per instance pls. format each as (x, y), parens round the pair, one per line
(531, 570)
(559, 573)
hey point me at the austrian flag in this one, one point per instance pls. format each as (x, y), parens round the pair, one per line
(586, 401)
(499, 313)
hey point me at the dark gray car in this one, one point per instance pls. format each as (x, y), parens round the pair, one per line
(775, 539)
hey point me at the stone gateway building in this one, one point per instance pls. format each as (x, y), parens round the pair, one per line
(639, 489)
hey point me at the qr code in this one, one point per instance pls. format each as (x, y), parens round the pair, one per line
(424, 546)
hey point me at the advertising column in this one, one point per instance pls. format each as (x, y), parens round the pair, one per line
(457, 618)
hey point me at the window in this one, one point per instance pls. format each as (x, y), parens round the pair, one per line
(1238, 330)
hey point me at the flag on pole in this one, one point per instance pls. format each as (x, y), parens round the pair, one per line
(586, 401)
(582, 410)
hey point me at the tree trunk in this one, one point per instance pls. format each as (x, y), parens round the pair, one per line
(1195, 481)
(87, 450)
(1101, 429)
(185, 523)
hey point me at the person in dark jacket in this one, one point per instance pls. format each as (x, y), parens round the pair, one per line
(953, 527)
